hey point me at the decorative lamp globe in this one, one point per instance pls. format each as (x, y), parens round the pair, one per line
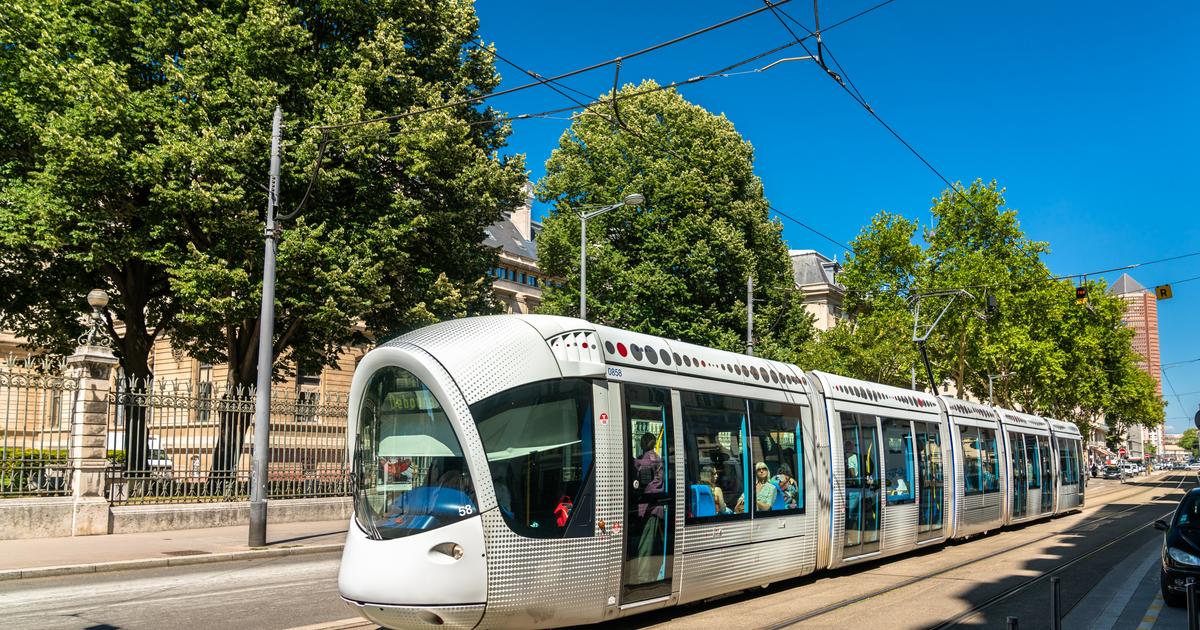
(97, 298)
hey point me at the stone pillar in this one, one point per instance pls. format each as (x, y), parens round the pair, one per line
(91, 367)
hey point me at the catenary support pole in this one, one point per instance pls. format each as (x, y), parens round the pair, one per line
(266, 338)
(750, 315)
(583, 267)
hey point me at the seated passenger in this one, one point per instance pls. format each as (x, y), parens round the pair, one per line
(898, 487)
(764, 490)
(708, 476)
(787, 485)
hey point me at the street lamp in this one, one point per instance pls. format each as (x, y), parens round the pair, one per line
(995, 377)
(634, 199)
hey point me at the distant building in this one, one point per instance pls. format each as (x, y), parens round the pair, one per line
(517, 280)
(816, 277)
(1141, 315)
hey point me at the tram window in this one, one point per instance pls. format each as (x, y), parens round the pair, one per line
(972, 462)
(410, 472)
(777, 442)
(1032, 461)
(1067, 461)
(539, 444)
(715, 435)
(990, 460)
(981, 462)
(897, 460)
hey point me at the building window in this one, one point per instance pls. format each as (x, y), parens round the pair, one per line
(307, 398)
(204, 393)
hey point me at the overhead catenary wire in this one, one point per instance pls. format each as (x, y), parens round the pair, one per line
(555, 84)
(558, 77)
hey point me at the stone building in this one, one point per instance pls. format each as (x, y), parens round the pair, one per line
(816, 277)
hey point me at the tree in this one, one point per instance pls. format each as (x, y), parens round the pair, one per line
(677, 265)
(1189, 440)
(1053, 357)
(135, 140)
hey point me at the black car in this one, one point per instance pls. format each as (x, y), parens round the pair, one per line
(1181, 549)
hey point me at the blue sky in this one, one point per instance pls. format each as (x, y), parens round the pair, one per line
(1085, 112)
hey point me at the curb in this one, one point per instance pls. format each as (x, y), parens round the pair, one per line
(149, 563)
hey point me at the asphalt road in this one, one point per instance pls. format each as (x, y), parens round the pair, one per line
(976, 584)
(262, 594)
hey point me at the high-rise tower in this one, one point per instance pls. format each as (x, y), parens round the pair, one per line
(1141, 315)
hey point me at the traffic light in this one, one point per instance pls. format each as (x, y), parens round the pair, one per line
(1081, 295)
(993, 306)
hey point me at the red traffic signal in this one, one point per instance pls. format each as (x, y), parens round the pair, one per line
(1081, 295)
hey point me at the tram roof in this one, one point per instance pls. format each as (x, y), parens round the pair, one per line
(854, 390)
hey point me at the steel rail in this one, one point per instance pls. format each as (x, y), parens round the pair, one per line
(824, 610)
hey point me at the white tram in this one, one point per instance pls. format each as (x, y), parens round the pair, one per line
(539, 471)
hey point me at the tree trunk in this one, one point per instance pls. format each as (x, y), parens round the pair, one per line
(236, 413)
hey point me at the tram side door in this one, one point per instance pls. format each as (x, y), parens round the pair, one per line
(1020, 481)
(929, 468)
(1048, 485)
(861, 452)
(650, 495)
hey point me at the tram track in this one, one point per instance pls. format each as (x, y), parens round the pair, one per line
(1009, 592)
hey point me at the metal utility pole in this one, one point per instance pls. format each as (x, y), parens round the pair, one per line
(266, 338)
(750, 315)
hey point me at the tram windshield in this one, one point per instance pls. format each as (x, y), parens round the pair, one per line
(410, 470)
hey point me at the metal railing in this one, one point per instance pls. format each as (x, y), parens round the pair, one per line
(182, 441)
(37, 402)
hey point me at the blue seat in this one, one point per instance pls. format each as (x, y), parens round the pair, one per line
(702, 500)
(433, 501)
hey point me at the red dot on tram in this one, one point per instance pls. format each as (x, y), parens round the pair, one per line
(621, 349)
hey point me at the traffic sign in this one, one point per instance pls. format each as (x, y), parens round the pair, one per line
(1121, 452)
(1163, 292)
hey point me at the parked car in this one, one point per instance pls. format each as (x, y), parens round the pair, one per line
(1113, 472)
(157, 460)
(1180, 553)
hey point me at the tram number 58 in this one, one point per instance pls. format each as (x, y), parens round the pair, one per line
(614, 372)
(466, 510)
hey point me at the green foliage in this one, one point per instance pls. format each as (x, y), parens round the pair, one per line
(134, 143)
(1188, 441)
(677, 265)
(1047, 354)
(23, 470)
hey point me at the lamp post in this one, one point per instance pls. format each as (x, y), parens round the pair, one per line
(995, 377)
(634, 199)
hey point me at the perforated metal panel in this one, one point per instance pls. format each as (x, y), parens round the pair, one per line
(536, 583)
(486, 355)
(899, 527)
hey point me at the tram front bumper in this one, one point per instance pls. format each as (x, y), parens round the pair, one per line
(420, 616)
(412, 582)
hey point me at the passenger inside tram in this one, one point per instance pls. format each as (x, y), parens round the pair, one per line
(764, 490)
(708, 475)
(787, 485)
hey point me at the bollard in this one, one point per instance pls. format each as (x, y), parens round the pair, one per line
(1193, 623)
(1012, 623)
(1055, 603)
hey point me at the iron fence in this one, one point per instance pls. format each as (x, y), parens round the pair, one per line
(37, 401)
(183, 441)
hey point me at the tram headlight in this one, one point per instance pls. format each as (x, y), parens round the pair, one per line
(453, 550)
(1183, 557)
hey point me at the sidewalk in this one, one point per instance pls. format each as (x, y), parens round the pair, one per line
(41, 557)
